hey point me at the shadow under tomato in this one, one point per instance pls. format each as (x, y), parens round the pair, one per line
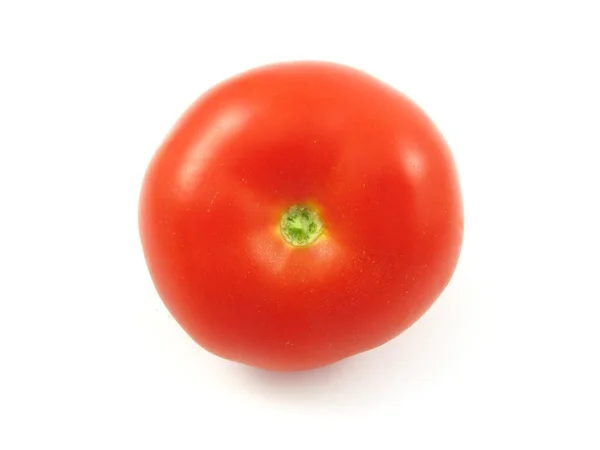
(296, 382)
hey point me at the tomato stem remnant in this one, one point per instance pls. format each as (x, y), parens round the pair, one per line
(300, 226)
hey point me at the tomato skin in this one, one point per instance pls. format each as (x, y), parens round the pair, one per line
(365, 157)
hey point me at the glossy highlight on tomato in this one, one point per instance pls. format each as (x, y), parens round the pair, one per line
(300, 213)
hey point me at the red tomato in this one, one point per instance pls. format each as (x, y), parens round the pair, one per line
(300, 213)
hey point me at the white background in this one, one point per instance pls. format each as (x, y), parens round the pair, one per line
(507, 357)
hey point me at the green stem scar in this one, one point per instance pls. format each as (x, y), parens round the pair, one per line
(300, 226)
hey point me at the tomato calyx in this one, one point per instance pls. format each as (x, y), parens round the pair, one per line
(300, 226)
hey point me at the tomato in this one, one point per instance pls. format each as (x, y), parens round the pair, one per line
(300, 213)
